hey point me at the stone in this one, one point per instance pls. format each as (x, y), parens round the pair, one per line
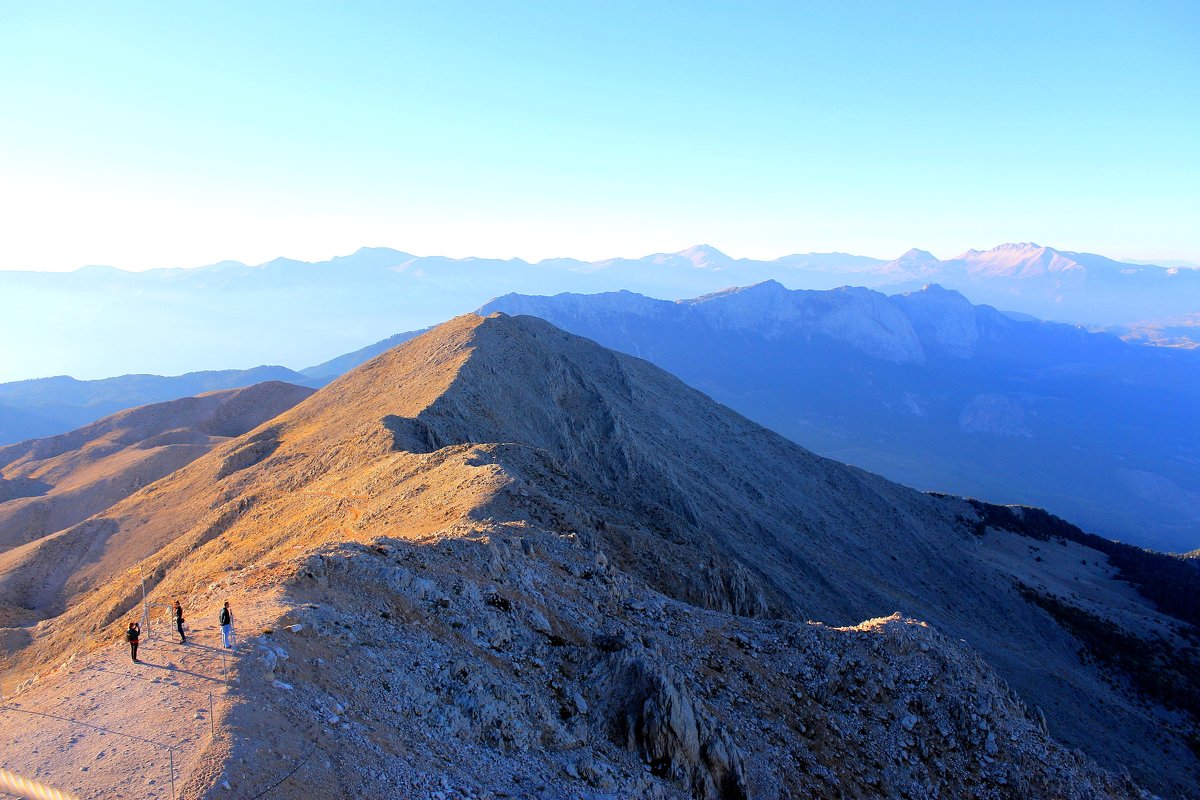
(538, 621)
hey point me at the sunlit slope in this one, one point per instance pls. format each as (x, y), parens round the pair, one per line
(61, 480)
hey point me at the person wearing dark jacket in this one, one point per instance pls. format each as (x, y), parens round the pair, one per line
(226, 620)
(179, 622)
(132, 635)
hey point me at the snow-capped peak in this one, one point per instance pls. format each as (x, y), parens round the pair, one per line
(700, 256)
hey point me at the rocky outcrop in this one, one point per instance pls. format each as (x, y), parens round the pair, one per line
(394, 657)
(654, 713)
(251, 452)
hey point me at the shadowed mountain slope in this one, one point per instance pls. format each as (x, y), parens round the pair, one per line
(503, 553)
(930, 390)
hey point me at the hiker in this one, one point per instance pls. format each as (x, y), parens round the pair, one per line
(179, 622)
(227, 636)
(132, 635)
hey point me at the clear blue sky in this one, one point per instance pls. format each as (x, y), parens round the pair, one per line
(144, 134)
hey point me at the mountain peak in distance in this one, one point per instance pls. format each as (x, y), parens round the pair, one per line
(700, 256)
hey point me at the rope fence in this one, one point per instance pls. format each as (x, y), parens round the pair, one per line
(157, 621)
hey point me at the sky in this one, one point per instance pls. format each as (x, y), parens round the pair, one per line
(150, 134)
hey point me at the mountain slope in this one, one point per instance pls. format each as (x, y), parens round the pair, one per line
(504, 554)
(62, 480)
(47, 406)
(930, 390)
(328, 370)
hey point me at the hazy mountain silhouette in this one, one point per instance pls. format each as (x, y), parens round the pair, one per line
(1182, 331)
(507, 555)
(1027, 278)
(932, 391)
(104, 321)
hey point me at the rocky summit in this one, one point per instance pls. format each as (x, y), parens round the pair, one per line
(502, 561)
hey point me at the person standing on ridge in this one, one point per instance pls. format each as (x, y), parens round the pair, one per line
(179, 622)
(226, 618)
(132, 635)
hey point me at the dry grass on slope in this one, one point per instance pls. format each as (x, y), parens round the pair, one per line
(83, 472)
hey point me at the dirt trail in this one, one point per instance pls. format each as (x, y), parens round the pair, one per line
(101, 726)
(104, 727)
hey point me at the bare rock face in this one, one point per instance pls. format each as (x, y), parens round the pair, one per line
(409, 661)
(656, 715)
(732, 589)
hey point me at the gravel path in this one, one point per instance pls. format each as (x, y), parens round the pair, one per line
(103, 727)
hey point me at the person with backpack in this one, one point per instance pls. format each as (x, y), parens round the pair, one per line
(226, 620)
(179, 622)
(132, 635)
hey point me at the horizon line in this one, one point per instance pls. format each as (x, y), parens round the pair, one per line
(1166, 263)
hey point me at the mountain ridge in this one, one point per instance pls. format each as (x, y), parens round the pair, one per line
(517, 496)
(926, 388)
(390, 257)
(48, 406)
(72, 476)
(923, 328)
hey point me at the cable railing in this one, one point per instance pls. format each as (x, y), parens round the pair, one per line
(14, 784)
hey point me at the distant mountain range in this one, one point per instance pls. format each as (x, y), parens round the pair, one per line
(932, 391)
(921, 387)
(99, 321)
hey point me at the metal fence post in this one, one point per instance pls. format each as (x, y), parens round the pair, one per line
(145, 605)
